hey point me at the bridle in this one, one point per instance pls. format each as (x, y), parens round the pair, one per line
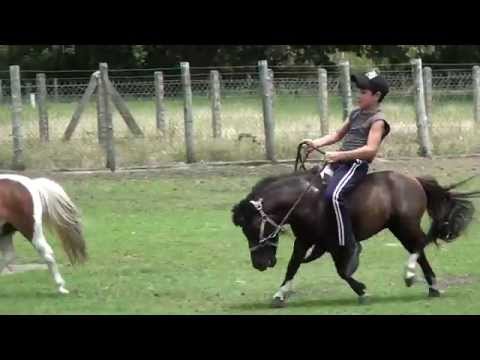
(264, 241)
(258, 205)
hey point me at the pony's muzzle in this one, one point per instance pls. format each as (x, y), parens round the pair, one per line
(260, 267)
(264, 265)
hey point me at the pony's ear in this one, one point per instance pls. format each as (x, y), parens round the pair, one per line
(237, 217)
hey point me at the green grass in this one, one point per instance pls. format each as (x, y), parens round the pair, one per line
(296, 118)
(164, 244)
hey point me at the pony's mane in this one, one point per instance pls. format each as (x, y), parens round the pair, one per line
(244, 211)
(263, 183)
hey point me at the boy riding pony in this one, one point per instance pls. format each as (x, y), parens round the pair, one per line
(362, 134)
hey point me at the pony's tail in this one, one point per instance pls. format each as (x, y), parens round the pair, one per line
(451, 212)
(62, 216)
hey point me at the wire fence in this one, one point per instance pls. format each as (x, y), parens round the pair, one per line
(287, 81)
(296, 112)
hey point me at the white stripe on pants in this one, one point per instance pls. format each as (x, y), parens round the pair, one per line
(336, 205)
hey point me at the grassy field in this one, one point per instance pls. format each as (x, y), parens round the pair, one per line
(296, 118)
(163, 243)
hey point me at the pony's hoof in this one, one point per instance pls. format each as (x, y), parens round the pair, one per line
(433, 293)
(364, 300)
(410, 281)
(62, 290)
(278, 302)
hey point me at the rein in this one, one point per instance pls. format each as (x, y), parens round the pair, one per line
(264, 241)
(302, 160)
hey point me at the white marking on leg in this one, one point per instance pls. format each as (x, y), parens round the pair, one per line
(309, 252)
(411, 265)
(45, 251)
(284, 290)
(409, 274)
(412, 261)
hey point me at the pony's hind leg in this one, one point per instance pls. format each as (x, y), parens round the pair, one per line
(410, 274)
(410, 234)
(433, 290)
(7, 250)
(414, 240)
(46, 253)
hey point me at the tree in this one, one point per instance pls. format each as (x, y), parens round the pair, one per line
(83, 57)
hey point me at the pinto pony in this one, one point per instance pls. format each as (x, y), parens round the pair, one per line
(26, 205)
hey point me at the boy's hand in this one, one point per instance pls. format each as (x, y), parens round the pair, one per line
(310, 144)
(333, 156)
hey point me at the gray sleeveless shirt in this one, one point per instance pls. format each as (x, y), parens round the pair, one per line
(360, 123)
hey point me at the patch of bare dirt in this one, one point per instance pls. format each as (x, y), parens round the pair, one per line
(447, 281)
(19, 268)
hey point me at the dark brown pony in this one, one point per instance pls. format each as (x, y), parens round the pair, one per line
(384, 200)
(26, 205)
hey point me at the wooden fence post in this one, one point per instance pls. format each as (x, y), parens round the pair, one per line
(268, 121)
(16, 91)
(346, 89)
(476, 96)
(160, 106)
(101, 123)
(55, 90)
(323, 100)
(422, 122)
(109, 140)
(427, 83)
(271, 78)
(188, 113)
(42, 107)
(216, 103)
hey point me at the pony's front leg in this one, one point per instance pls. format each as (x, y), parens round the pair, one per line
(358, 287)
(7, 250)
(299, 251)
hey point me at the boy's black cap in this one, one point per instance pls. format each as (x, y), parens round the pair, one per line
(371, 81)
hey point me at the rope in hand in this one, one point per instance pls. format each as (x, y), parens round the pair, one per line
(300, 160)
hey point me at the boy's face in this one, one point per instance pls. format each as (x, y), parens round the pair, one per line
(366, 99)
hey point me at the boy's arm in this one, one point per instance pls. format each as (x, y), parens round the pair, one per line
(330, 138)
(367, 152)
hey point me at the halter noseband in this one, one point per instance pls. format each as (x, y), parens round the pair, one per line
(264, 241)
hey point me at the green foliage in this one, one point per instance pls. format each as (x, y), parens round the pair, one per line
(50, 57)
(61, 57)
